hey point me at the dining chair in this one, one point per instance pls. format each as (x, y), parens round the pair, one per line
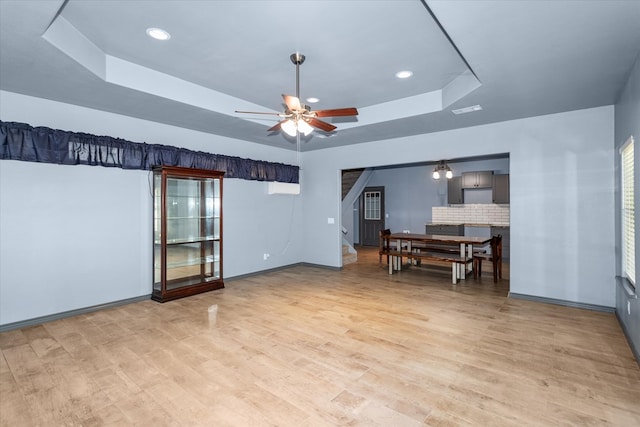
(495, 257)
(383, 245)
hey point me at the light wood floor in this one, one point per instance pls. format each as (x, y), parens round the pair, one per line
(316, 347)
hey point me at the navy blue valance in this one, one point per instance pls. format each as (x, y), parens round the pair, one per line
(20, 141)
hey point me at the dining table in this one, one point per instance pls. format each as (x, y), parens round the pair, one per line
(406, 243)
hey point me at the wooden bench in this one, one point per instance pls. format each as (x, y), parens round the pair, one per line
(445, 249)
(384, 245)
(429, 247)
(457, 262)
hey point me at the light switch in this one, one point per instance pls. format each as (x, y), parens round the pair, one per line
(330, 221)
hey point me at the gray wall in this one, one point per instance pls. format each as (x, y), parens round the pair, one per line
(627, 123)
(562, 197)
(77, 236)
(562, 207)
(72, 237)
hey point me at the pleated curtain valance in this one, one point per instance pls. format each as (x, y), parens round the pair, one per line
(20, 141)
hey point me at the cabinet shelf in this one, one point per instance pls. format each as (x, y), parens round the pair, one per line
(187, 240)
(190, 262)
(182, 218)
(187, 230)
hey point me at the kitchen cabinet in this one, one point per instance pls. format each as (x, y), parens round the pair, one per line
(445, 229)
(501, 189)
(483, 179)
(495, 230)
(187, 232)
(454, 191)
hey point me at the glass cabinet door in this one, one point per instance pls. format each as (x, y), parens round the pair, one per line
(187, 232)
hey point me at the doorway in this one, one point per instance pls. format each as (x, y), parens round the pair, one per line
(372, 215)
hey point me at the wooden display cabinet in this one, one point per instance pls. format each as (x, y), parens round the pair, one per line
(187, 232)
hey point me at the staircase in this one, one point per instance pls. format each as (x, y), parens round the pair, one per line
(348, 257)
(349, 177)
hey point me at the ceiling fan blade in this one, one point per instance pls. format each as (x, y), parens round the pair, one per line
(259, 112)
(292, 102)
(327, 127)
(277, 126)
(338, 112)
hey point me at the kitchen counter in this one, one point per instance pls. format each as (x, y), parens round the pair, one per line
(469, 224)
(486, 225)
(471, 229)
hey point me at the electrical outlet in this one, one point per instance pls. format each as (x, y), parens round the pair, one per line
(266, 256)
(629, 308)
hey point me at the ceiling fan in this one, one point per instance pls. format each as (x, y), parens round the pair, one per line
(300, 118)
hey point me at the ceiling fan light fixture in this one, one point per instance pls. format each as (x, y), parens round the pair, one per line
(292, 126)
(304, 127)
(158, 34)
(299, 118)
(289, 127)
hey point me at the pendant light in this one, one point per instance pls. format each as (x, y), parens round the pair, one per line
(442, 167)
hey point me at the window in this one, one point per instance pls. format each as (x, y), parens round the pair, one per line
(628, 212)
(372, 206)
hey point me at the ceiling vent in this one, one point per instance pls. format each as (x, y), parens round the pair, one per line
(467, 109)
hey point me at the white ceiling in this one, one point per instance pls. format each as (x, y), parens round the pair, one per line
(514, 58)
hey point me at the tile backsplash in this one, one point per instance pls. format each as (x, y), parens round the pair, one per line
(471, 214)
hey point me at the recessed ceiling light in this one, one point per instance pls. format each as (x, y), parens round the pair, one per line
(312, 100)
(467, 109)
(404, 74)
(158, 34)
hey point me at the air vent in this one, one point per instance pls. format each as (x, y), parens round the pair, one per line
(467, 109)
